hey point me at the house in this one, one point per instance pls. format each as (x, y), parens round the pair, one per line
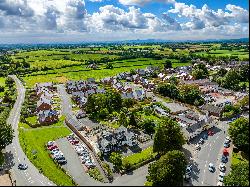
(213, 109)
(110, 141)
(47, 116)
(139, 94)
(43, 104)
(141, 72)
(161, 76)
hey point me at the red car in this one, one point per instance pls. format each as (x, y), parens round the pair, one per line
(210, 133)
(52, 147)
(74, 142)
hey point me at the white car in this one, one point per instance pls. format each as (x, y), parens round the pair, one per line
(219, 184)
(228, 138)
(220, 178)
(50, 143)
(197, 147)
(222, 174)
(211, 167)
(222, 167)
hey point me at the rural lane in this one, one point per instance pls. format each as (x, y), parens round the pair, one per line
(14, 152)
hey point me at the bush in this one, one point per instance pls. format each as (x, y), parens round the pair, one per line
(95, 173)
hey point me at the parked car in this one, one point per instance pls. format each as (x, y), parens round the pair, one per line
(226, 145)
(222, 167)
(219, 184)
(220, 178)
(211, 167)
(52, 147)
(22, 166)
(201, 141)
(205, 136)
(189, 169)
(197, 147)
(54, 151)
(210, 133)
(228, 139)
(62, 162)
(50, 143)
(187, 177)
(224, 159)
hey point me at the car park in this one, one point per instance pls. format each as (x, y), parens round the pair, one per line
(222, 167)
(22, 166)
(211, 167)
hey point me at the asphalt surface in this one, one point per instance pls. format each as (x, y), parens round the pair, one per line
(211, 152)
(14, 152)
(74, 166)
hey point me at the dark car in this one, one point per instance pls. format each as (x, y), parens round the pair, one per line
(205, 136)
(62, 162)
(22, 166)
(224, 159)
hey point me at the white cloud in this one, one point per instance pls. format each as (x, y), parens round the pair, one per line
(143, 2)
(71, 17)
(206, 17)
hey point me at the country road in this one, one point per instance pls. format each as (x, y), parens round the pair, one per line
(14, 152)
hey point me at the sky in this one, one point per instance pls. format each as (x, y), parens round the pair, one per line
(60, 21)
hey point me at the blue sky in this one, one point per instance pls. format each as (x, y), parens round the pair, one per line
(45, 21)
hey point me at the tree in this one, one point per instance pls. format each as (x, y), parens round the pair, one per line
(168, 170)
(231, 80)
(190, 93)
(239, 175)
(200, 71)
(109, 66)
(168, 90)
(239, 133)
(148, 126)
(132, 120)
(168, 64)
(6, 134)
(123, 120)
(168, 137)
(116, 159)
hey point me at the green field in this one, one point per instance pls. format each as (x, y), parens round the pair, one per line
(82, 72)
(240, 53)
(2, 83)
(34, 140)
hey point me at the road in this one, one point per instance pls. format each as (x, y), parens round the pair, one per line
(210, 152)
(136, 178)
(14, 152)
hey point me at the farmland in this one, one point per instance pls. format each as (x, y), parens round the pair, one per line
(60, 65)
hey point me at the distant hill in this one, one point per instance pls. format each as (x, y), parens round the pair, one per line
(96, 43)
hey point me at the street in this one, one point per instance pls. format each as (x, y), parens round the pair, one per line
(14, 152)
(210, 152)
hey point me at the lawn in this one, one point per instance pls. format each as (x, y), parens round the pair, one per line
(34, 140)
(138, 158)
(239, 157)
(32, 120)
(2, 83)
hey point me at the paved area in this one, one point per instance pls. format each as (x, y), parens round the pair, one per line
(14, 153)
(74, 166)
(210, 152)
(5, 179)
(135, 178)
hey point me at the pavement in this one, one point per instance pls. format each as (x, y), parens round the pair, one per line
(14, 153)
(210, 152)
(74, 166)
